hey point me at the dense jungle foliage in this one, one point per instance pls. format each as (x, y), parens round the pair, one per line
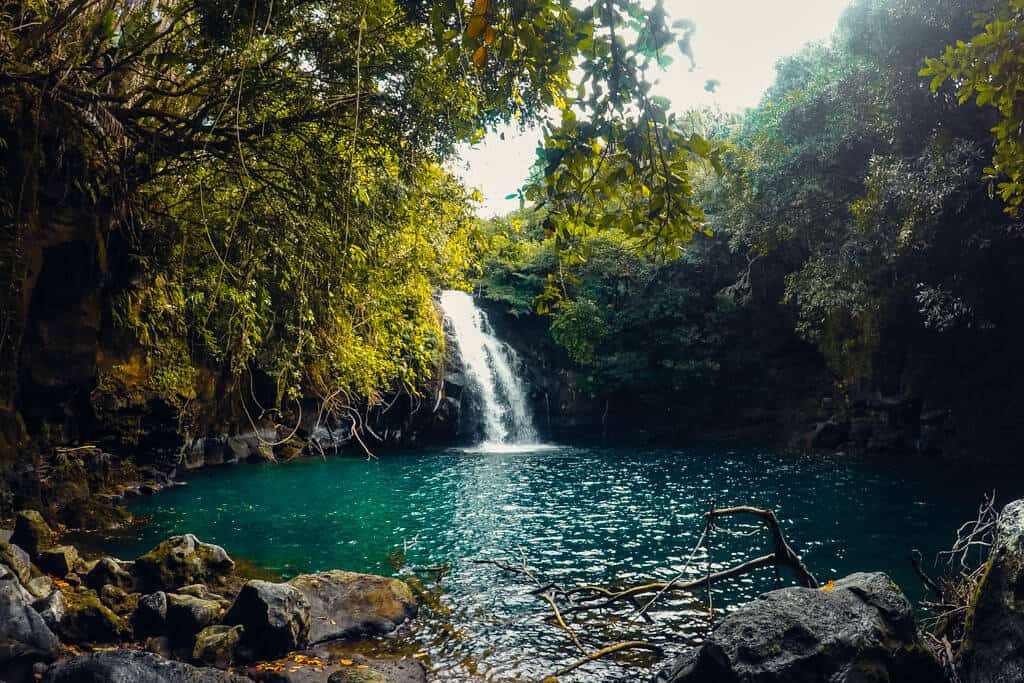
(196, 191)
(864, 228)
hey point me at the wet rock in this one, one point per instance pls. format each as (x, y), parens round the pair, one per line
(58, 561)
(275, 617)
(182, 561)
(88, 620)
(51, 608)
(346, 604)
(24, 634)
(17, 560)
(862, 630)
(993, 650)
(110, 572)
(31, 532)
(150, 616)
(131, 666)
(188, 615)
(215, 645)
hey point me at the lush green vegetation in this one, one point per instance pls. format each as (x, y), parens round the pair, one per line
(261, 185)
(858, 211)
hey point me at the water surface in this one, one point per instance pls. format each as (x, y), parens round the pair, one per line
(577, 515)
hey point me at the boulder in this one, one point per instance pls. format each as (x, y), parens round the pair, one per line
(993, 649)
(17, 560)
(198, 590)
(275, 617)
(119, 600)
(31, 532)
(24, 634)
(181, 561)
(40, 586)
(861, 630)
(110, 572)
(58, 561)
(346, 605)
(131, 666)
(150, 615)
(88, 620)
(51, 608)
(215, 645)
(188, 615)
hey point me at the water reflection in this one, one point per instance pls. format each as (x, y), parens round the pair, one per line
(577, 516)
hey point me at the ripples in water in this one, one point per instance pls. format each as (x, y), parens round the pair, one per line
(578, 516)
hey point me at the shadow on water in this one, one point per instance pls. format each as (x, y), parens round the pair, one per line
(579, 515)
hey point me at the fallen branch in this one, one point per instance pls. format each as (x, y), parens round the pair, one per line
(617, 647)
(783, 553)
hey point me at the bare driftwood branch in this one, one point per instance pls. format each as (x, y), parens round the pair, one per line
(626, 645)
(784, 554)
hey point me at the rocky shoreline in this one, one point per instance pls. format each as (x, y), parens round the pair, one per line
(181, 612)
(186, 611)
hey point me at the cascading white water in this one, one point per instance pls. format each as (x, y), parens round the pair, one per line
(490, 366)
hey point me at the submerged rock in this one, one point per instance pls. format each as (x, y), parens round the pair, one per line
(182, 561)
(346, 604)
(24, 634)
(862, 630)
(993, 650)
(131, 666)
(31, 532)
(275, 617)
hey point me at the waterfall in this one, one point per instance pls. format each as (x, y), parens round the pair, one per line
(492, 369)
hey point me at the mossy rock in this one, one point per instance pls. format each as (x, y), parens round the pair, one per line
(16, 559)
(182, 561)
(88, 620)
(31, 532)
(215, 645)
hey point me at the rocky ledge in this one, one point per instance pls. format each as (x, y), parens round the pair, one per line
(180, 613)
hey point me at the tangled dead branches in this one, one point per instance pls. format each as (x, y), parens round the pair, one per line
(963, 567)
(625, 602)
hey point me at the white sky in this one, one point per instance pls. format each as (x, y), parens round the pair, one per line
(737, 43)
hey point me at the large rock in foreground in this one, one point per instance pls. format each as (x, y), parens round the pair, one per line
(23, 633)
(130, 666)
(993, 650)
(182, 561)
(347, 605)
(861, 631)
(275, 617)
